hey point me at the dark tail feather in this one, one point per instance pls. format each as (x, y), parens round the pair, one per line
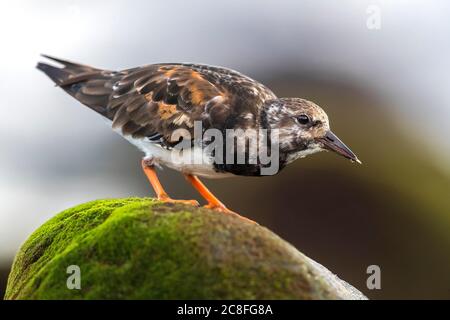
(88, 85)
(66, 63)
(58, 75)
(69, 70)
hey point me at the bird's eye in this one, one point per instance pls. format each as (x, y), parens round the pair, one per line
(303, 119)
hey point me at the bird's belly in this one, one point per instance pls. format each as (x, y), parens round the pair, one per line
(191, 161)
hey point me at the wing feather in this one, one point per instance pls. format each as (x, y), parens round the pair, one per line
(153, 101)
(161, 99)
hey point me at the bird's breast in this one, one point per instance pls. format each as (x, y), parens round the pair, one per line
(194, 160)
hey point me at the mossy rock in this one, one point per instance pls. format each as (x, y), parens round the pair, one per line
(138, 248)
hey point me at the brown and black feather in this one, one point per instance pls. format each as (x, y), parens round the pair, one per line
(154, 100)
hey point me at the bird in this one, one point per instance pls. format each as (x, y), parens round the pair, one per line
(149, 104)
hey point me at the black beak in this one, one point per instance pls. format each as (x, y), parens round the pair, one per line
(333, 143)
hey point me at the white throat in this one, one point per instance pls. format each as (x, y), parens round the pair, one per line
(313, 148)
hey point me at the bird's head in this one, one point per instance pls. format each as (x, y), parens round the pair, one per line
(303, 129)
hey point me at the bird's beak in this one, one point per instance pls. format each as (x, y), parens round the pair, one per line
(333, 143)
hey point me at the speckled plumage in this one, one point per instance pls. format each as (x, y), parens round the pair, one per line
(147, 104)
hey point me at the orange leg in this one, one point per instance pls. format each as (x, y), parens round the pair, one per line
(213, 202)
(161, 194)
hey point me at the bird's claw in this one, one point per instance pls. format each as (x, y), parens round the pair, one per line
(225, 210)
(188, 202)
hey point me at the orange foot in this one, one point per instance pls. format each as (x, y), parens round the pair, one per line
(225, 210)
(167, 199)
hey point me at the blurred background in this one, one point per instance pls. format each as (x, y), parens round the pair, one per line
(379, 69)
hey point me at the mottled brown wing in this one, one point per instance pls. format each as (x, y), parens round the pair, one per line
(156, 100)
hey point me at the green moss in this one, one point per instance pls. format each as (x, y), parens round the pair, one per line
(142, 249)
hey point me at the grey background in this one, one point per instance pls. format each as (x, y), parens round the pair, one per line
(386, 92)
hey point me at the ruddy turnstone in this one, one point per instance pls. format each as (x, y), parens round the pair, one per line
(148, 105)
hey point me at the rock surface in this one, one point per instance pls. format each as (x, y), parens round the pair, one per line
(138, 248)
